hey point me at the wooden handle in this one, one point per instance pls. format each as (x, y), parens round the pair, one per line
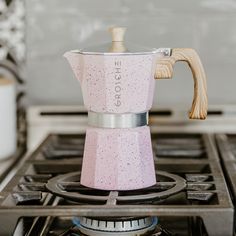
(164, 69)
(117, 34)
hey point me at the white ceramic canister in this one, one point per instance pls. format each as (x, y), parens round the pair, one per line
(7, 118)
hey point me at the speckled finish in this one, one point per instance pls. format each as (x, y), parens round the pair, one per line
(115, 84)
(118, 159)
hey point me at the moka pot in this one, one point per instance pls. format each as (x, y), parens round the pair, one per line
(117, 81)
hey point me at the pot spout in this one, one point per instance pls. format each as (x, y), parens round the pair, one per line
(75, 60)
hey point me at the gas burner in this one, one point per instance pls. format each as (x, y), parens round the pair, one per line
(116, 226)
(69, 187)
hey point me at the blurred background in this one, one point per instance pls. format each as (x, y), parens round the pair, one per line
(40, 96)
(35, 34)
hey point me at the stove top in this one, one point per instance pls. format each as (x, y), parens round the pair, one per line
(190, 197)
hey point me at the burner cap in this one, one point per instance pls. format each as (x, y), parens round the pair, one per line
(119, 226)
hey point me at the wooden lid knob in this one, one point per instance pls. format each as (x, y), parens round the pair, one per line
(117, 33)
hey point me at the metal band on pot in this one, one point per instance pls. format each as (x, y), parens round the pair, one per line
(111, 120)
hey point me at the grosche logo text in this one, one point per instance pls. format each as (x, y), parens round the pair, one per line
(118, 80)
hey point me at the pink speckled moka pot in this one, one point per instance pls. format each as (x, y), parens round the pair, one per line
(117, 81)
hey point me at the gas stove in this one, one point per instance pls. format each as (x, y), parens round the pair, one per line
(45, 196)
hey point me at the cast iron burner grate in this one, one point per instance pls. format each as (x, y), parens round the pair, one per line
(69, 187)
(227, 148)
(199, 206)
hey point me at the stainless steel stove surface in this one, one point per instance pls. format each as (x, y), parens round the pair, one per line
(190, 197)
